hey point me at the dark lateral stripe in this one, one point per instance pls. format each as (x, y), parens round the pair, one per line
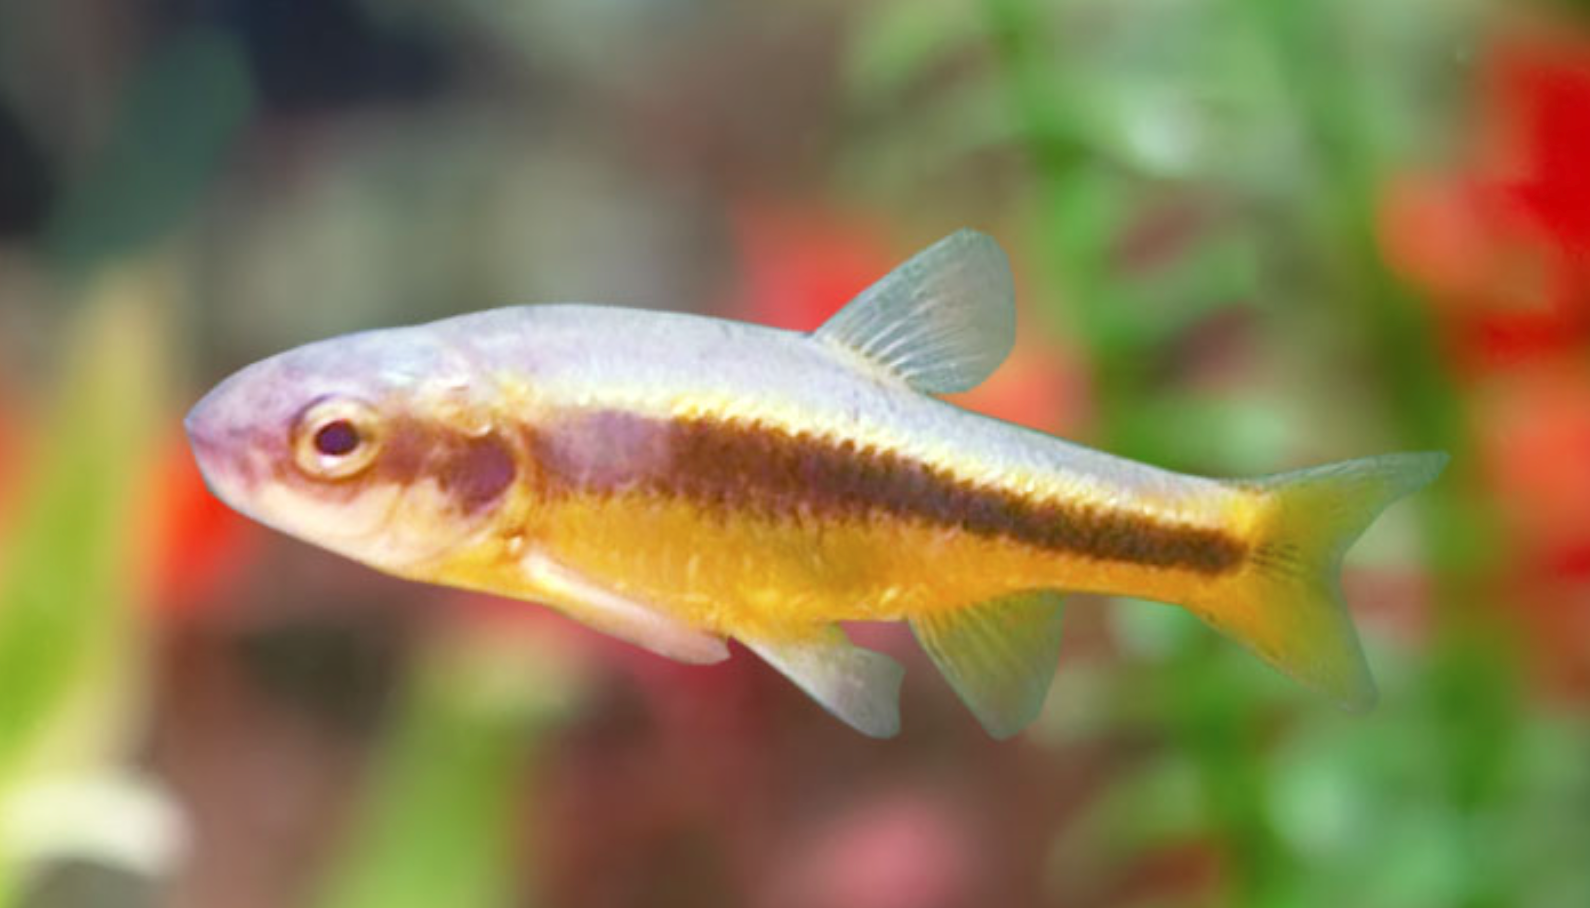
(473, 470)
(738, 465)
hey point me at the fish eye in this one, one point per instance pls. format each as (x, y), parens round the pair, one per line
(335, 438)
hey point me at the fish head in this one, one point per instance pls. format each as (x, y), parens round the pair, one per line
(386, 447)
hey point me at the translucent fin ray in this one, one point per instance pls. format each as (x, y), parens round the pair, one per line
(998, 655)
(941, 322)
(1286, 605)
(858, 686)
(635, 622)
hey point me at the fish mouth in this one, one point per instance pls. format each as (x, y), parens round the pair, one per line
(221, 453)
(205, 435)
(200, 438)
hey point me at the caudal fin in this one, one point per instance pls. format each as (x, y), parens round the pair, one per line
(1286, 603)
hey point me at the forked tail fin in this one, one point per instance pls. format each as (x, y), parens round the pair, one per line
(1286, 602)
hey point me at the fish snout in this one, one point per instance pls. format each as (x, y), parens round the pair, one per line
(223, 435)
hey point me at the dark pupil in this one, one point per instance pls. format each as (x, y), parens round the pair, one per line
(336, 438)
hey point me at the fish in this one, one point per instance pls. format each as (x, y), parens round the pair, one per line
(677, 481)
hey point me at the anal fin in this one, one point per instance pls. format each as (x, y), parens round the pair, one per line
(999, 655)
(860, 687)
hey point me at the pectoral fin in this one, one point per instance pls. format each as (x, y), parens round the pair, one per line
(998, 655)
(859, 686)
(619, 616)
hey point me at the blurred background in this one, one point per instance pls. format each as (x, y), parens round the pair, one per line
(1248, 237)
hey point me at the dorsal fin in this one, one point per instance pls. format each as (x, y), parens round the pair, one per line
(941, 322)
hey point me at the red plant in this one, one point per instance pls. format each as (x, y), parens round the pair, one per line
(1534, 433)
(798, 266)
(200, 544)
(1503, 246)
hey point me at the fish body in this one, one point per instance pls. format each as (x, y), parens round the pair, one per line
(678, 480)
(738, 477)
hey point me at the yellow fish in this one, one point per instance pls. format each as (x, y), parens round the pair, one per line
(677, 480)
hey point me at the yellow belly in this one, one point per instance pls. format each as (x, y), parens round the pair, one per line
(746, 575)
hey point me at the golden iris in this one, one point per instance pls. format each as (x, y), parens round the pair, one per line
(336, 437)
